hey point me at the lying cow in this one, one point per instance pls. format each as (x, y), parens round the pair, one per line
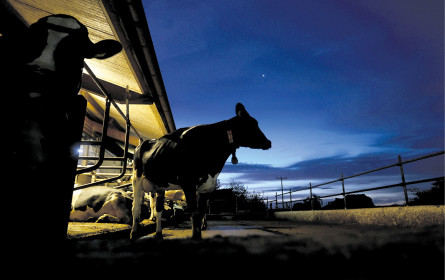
(191, 159)
(102, 205)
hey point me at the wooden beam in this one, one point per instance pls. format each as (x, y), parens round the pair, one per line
(96, 106)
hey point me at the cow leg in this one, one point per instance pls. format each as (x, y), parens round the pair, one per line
(137, 201)
(203, 200)
(204, 219)
(198, 205)
(159, 208)
(191, 198)
(152, 198)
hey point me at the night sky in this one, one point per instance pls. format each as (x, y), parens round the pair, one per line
(337, 86)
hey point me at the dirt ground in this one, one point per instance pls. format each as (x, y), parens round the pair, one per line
(274, 248)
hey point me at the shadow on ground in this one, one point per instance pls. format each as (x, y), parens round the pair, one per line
(408, 254)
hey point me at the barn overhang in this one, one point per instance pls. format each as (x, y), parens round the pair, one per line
(135, 68)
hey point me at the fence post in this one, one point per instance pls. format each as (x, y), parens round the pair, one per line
(343, 187)
(290, 195)
(276, 200)
(403, 180)
(312, 202)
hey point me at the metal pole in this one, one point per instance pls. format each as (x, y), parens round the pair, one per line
(312, 202)
(104, 91)
(276, 200)
(124, 167)
(104, 136)
(290, 195)
(343, 187)
(124, 158)
(403, 181)
(282, 192)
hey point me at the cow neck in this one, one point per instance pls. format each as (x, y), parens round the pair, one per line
(222, 139)
(233, 146)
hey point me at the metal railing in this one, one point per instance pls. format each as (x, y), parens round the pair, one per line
(101, 158)
(342, 179)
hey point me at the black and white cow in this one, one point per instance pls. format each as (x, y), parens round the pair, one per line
(102, 205)
(42, 72)
(191, 159)
(51, 53)
(45, 72)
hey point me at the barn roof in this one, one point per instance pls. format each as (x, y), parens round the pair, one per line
(136, 66)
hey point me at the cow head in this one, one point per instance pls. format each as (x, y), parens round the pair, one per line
(61, 39)
(246, 132)
(53, 50)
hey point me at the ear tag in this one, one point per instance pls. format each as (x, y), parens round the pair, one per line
(234, 158)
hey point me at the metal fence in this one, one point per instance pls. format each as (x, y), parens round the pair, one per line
(288, 204)
(101, 158)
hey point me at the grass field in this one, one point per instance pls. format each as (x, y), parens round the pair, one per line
(411, 216)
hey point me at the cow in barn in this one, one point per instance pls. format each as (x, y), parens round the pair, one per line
(43, 71)
(101, 205)
(191, 159)
(46, 74)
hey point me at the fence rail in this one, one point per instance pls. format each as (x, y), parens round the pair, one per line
(342, 179)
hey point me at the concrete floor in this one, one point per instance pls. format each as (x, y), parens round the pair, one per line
(281, 247)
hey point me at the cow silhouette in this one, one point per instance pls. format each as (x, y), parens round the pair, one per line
(43, 119)
(191, 159)
(44, 75)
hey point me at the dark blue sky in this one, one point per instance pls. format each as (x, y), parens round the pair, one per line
(337, 86)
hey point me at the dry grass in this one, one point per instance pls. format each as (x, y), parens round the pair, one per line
(412, 216)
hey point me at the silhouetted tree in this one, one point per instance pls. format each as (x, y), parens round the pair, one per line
(251, 201)
(433, 196)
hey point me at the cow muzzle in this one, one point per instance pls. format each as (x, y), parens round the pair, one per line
(267, 145)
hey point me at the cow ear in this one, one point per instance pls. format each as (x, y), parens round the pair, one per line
(104, 49)
(241, 111)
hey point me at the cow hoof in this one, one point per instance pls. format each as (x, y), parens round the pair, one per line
(133, 236)
(197, 237)
(154, 236)
(158, 236)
